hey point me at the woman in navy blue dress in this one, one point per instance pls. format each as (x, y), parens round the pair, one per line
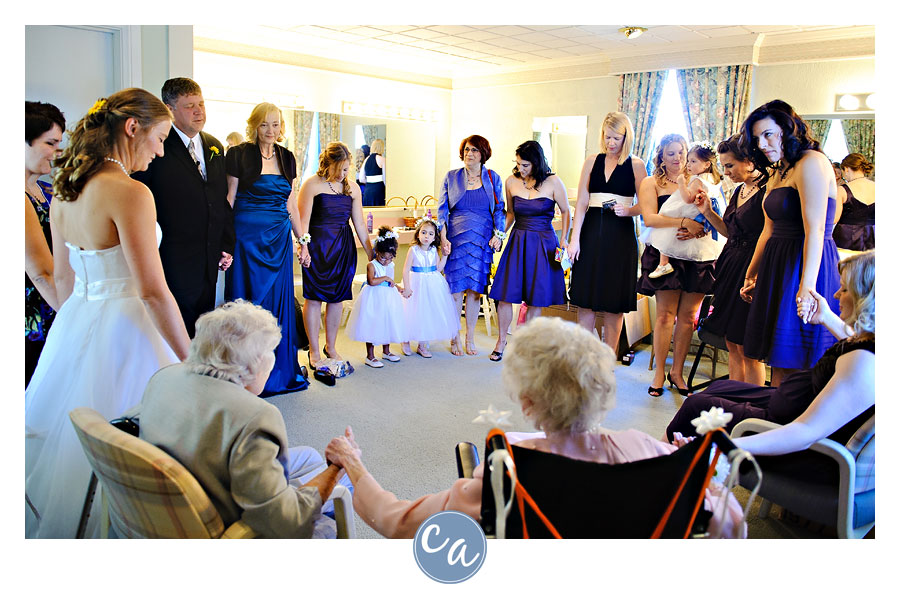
(261, 175)
(528, 270)
(372, 176)
(795, 254)
(742, 224)
(329, 202)
(472, 220)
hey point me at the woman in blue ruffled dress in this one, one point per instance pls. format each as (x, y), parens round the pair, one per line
(471, 219)
(262, 187)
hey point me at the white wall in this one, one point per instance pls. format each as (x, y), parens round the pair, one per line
(810, 87)
(504, 115)
(325, 91)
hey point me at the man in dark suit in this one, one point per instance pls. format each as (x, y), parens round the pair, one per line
(189, 187)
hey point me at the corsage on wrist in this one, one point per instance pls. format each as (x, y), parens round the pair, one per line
(304, 239)
(499, 234)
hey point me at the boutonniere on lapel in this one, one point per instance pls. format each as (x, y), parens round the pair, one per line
(213, 152)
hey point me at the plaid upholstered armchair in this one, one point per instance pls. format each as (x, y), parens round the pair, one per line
(148, 494)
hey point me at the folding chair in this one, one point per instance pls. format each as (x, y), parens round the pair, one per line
(533, 494)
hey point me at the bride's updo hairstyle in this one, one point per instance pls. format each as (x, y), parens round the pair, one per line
(330, 160)
(94, 137)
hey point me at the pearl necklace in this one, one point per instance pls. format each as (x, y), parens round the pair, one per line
(122, 166)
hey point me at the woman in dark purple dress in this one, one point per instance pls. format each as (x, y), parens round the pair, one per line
(329, 201)
(604, 249)
(679, 294)
(855, 229)
(528, 270)
(832, 399)
(795, 254)
(741, 223)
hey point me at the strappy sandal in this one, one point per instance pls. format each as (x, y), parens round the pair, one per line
(454, 347)
(496, 355)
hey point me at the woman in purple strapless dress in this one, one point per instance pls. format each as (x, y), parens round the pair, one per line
(528, 271)
(787, 266)
(329, 202)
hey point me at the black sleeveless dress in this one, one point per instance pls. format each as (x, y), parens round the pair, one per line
(690, 277)
(744, 224)
(373, 194)
(604, 276)
(856, 228)
(781, 405)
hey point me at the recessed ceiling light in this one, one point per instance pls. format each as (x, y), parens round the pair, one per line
(632, 32)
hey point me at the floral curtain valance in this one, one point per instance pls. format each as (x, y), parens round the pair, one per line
(639, 96)
(715, 100)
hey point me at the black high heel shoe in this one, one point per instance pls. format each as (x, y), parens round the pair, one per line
(654, 391)
(682, 391)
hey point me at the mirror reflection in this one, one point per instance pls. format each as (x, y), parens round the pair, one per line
(564, 141)
(409, 146)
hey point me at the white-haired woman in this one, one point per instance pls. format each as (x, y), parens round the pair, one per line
(832, 399)
(205, 413)
(562, 377)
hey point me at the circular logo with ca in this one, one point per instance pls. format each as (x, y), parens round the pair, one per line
(449, 547)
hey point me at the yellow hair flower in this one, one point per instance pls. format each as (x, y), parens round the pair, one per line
(97, 107)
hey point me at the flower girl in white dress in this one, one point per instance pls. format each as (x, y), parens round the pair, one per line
(704, 176)
(430, 312)
(377, 317)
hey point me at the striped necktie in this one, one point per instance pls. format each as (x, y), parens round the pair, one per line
(194, 158)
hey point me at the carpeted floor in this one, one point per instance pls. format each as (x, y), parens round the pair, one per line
(408, 417)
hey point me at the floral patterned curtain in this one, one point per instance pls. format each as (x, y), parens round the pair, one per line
(302, 129)
(639, 96)
(370, 133)
(860, 136)
(329, 128)
(714, 100)
(819, 128)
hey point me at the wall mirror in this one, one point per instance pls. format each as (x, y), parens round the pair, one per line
(564, 140)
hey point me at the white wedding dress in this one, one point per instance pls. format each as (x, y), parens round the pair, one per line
(100, 353)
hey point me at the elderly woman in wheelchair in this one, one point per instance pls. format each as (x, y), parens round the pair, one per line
(562, 378)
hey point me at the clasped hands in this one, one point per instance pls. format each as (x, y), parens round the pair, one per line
(342, 449)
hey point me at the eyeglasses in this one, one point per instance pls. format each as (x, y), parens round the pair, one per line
(474, 150)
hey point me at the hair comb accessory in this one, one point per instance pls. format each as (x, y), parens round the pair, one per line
(387, 235)
(706, 145)
(97, 107)
(427, 219)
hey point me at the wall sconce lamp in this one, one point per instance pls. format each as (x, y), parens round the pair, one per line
(381, 110)
(632, 32)
(848, 102)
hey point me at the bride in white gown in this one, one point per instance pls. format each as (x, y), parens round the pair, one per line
(118, 323)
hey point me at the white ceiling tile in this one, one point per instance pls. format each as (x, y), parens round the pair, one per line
(771, 28)
(423, 33)
(544, 27)
(425, 44)
(450, 40)
(366, 31)
(674, 33)
(601, 29)
(582, 50)
(394, 28)
(724, 31)
(506, 42)
(535, 37)
(451, 29)
(477, 36)
(567, 32)
(552, 53)
(398, 38)
(509, 30)
(558, 43)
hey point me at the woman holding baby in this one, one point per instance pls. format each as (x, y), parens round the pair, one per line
(680, 291)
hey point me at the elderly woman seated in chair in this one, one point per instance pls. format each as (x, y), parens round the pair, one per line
(205, 413)
(562, 378)
(833, 399)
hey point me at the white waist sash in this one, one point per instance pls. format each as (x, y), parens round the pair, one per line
(375, 178)
(598, 199)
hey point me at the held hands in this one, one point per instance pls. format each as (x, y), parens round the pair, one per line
(806, 303)
(679, 440)
(303, 256)
(445, 247)
(820, 311)
(690, 229)
(747, 289)
(407, 293)
(495, 243)
(226, 261)
(342, 448)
